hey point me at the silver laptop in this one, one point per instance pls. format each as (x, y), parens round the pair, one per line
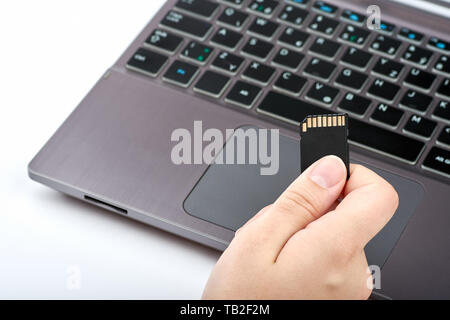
(249, 64)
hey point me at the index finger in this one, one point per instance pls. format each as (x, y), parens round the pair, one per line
(368, 205)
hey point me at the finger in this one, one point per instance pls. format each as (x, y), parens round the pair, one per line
(260, 213)
(369, 203)
(305, 200)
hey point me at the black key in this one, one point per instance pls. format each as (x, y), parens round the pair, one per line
(443, 65)
(387, 114)
(383, 89)
(384, 141)
(410, 35)
(351, 79)
(355, 104)
(302, 3)
(164, 40)
(353, 17)
(233, 17)
(147, 62)
(203, 8)
(293, 15)
(362, 133)
(444, 88)
(212, 84)
(197, 51)
(320, 68)
(439, 44)
(288, 58)
(228, 62)
(438, 160)
(290, 82)
(265, 7)
(263, 27)
(226, 38)
(442, 110)
(386, 45)
(324, 25)
(356, 57)
(181, 73)
(420, 126)
(294, 38)
(186, 24)
(289, 109)
(416, 100)
(417, 55)
(324, 47)
(257, 48)
(322, 93)
(388, 68)
(420, 79)
(386, 27)
(325, 7)
(354, 35)
(259, 72)
(234, 2)
(444, 137)
(243, 94)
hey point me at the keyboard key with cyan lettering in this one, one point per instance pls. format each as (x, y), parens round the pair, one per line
(181, 73)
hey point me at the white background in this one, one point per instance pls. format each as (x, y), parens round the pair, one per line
(51, 54)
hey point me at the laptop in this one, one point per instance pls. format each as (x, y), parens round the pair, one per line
(266, 64)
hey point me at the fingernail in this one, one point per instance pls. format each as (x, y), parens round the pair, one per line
(328, 172)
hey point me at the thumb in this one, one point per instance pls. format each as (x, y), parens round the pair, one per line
(304, 201)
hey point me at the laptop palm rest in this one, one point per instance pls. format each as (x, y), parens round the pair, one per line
(228, 195)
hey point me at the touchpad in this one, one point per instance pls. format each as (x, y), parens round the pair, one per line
(230, 194)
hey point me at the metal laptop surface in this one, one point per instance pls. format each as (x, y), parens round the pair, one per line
(114, 151)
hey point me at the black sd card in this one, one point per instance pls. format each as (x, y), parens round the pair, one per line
(324, 135)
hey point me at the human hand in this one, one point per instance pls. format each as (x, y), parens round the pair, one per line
(308, 245)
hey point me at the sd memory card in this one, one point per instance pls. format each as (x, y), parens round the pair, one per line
(323, 135)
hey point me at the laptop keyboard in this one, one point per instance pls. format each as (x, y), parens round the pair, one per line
(293, 58)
